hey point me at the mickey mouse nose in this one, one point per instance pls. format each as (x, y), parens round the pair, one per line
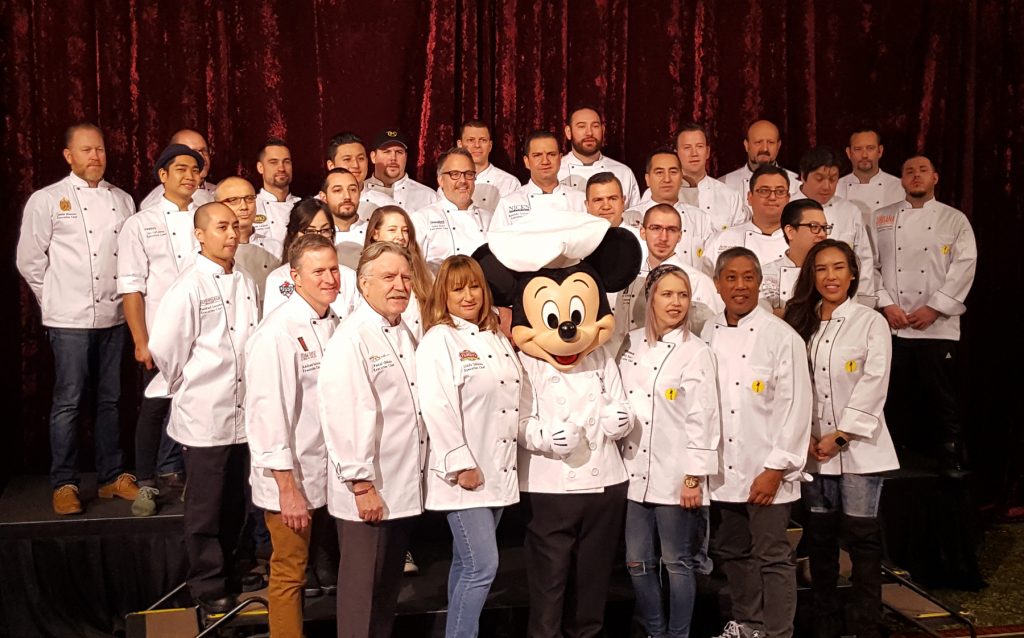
(567, 330)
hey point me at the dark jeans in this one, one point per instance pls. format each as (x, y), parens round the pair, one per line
(215, 506)
(154, 450)
(750, 544)
(84, 357)
(571, 541)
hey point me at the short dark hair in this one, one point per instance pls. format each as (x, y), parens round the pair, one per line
(307, 243)
(538, 134)
(767, 169)
(580, 107)
(604, 177)
(665, 208)
(337, 170)
(734, 253)
(818, 157)
(473, 124)
(341, 139)
(271, 141)
(793, 212)
(865, 129)
(661, 150)
(455, 150)
(689, 127)
(70, 131)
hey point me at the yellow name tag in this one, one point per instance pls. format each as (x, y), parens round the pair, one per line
(670, 394)
(757, 386)
(945, 250)
(851, 366)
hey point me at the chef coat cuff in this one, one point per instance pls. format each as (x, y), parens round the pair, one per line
(277, 460)
(349, 472)
(946, 304)
(867, 299)
(884, 299)
(700, 462)
(130, 283)
(454, 462)
(858, 423)
(782, 460)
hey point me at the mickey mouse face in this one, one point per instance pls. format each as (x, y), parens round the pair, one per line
(564, 322)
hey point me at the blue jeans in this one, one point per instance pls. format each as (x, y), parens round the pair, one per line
(474, 565)
(679, 531)
(852, 494)
(83, 357)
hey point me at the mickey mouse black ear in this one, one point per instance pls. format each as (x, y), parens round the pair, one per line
(617, 259)
(501, 280)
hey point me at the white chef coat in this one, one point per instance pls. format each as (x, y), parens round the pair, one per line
(203, 195)
(882, 190)
(472, 396)
(766, 404)
(850, 356)
(673, 388)
(442, 230)
(350, 243)
(926, 257)
(281, 286)
(370, 200)
(153, 247)
(491, 185)
(282, 418)
(198, 343)
(573, 173)
(848, 225)
(272, 216)
(739, 181)
(778, 281)
(697, 229)
(258, 263)
(370, 416)
(67, 252)
(589, 397)
(767, 248)
(631, 305)
(406, 192)
(723, 205)
(530, 200)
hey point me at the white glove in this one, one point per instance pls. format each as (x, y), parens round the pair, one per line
(564, 441)
(615, 425)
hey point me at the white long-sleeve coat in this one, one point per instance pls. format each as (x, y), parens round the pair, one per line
(280, 287)
(198, 341)
(473, 397)
(282, 415)
(370, 415)
(765, 390)
(850, 356)
(531, 200)
(572, 172)
(443, 230)
(672, 386)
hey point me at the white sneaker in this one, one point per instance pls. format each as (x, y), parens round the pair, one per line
(734, 629)
(411, 568)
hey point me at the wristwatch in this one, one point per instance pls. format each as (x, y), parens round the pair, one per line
(691, 481)
(842, 442)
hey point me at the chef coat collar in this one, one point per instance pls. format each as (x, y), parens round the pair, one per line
(301, 307)
(843, 309)
(462, 325)
(367, 314)
(531, 187)
(81, 183)
(207, 265)
(574, 160)
(751, 318)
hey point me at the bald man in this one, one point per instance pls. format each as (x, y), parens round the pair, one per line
(762, 146)
(205, 191)
(258, 254)
(198, 342)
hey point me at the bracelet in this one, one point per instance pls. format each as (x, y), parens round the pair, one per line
(361, 492)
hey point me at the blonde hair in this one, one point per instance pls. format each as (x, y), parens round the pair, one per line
(455, 272)
(421, 277)
(649, 323)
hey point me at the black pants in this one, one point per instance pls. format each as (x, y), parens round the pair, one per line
(863, 539)
(370, 574)
(571, 540)
(215, 506)
(155, 452)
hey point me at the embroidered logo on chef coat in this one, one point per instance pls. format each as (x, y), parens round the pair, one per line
(310, 360)
(380, 362)
(758, 386)
(700, 252)
(260, 219)
(437, 224)
(155, 231)
(468, 355)
(65, 205)
(885, 222)
(208, 305)
(850, 366)
(671, 393)
(286, 289)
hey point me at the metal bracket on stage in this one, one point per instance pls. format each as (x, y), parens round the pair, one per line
(229, 616)
(919, 607)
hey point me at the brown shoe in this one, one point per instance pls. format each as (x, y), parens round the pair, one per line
(123, 486)
(65, 500)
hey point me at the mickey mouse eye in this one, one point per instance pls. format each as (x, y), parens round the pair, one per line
(549, 311)
(577, 311)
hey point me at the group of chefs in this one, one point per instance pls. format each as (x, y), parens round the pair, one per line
(343, 352)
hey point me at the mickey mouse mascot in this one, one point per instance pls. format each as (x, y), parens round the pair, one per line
(555, 272)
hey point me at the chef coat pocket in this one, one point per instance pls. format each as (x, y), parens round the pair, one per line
(944, 247)
(851, 362)
(760, 386)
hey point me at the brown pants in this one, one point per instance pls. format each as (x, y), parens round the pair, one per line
(287, 576)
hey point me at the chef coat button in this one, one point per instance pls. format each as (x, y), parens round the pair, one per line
(503, 412)
(737, 383)
(239, 406)
(90, 232)
(97, 301)
(501, 382)
(590, 420)
(730, 440)
(504, 469)
(94, 255)
(554, 379)
(97, 279)
(899, 270)
(922, 272)
(743, 356)
(513, 468)
(412, 383)
(115, 254)
(572, 475)
(595, 472)
(732, 411)
(826, 396)
(227, 301)
(823, 369)
(561, 400)
(826, 340)
(730, 467)
(239, 380)
(591, 396)
(232, 328)
(593, 446)
(513, 440)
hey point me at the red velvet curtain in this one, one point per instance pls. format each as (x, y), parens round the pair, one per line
(945, 77)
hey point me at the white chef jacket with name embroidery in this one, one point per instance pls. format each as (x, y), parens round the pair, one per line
(847, 221)
(530, 200)
(281, 287)
(282, 415)
(198, 343)
(696, 230)
(724, 206)
(350, 243)
(203, 195)
(473, 397)
(573, 173)
(767, 248)
(370, 200)
(442, 230)
(739, 181)
(583, 397)
(258, 262)
(926, 257)
(850, 357)
(882, 190)
(766, 398)
(153, 247)
(272, 215)
(406, 192)
(67, 252)
(673, 389)
(370, 416)
(491, 185)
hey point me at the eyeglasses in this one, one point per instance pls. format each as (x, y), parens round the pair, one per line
(455, 175)
(657, 229)
(764, 192)
(326, 231)
(816, 228)
(231, 201)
